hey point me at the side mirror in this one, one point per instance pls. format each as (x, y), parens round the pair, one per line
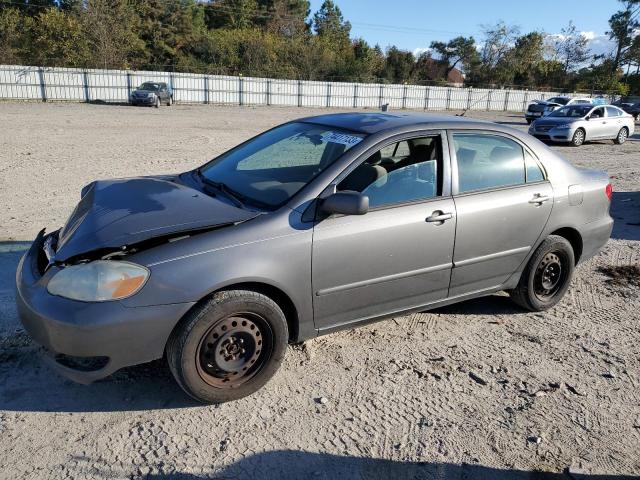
(587, 118)
(346, 203)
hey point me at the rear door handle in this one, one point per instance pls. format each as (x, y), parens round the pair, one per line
(539, 199)
(439, 217)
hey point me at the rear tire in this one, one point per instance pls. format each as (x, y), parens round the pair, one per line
(623, 134)
(228, 347)
(169, 102)
(547, 276)
(578, 137)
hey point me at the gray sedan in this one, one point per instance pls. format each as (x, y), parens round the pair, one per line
(577, 124)
(317, 225)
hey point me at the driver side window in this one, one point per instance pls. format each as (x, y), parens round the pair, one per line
(402, 172)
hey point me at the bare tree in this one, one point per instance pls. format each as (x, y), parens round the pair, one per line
(571, 48)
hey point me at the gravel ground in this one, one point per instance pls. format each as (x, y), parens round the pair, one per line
(475, 390)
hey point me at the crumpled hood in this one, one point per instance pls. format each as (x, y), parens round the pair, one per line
(114, 213)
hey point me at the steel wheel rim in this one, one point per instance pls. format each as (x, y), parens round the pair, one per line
(234, 350)
(550, 276)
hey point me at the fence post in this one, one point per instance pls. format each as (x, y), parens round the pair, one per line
(299, 93)
(525, 101)
(85, 81)
(426, 98)
(506, 100)
(469, 91)
(381, 95)
(128, 86)
(43, 87)
(404, 96)
(448, 105)
(205, 83)
(268, 92)
(489, 100)
(240, 90)
(328, 94)
(171, 86)
(355, 95)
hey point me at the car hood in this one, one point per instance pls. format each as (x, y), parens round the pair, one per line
(117, 213)
(553, 121)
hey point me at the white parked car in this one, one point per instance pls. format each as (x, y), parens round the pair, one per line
(541, 108)
(577, 124)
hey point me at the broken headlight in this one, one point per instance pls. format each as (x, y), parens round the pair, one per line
(98, 281)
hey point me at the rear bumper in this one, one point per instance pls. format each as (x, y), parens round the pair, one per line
(595, 236)
(113, 335)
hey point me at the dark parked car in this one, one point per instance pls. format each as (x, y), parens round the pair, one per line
(540, 108)
(631, 105)
(320, 224)
(152, 94)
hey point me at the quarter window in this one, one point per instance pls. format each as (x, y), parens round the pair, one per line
(488, 161)
(534, 172)
(388, 177)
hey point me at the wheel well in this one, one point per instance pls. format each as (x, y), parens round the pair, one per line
(573, 237)
(278, 296)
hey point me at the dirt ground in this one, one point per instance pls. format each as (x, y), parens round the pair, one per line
(476, 390)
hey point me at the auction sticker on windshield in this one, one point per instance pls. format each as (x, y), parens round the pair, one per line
(341, 138)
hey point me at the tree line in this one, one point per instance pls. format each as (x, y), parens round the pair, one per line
(283, 39)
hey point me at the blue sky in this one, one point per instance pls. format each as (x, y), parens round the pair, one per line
(414, 24)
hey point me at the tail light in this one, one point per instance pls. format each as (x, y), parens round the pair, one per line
(609, 191)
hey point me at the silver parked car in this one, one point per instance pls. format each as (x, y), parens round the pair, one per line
(577, 124)
(320, 224)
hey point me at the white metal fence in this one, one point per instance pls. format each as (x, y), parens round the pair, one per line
(67, 84)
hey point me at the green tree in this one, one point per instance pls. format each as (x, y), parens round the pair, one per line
(328, 22)
(11, 36)
(458, 52)
(623, 25)
(57, 39)
(284, 17)
(571, 48)
(111, 29)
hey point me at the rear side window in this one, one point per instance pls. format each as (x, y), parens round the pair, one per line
(613, 112)
(488, 161)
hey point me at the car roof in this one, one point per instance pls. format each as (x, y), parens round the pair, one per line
(375, 122)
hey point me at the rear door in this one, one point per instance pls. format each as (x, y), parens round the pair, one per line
(503, 201)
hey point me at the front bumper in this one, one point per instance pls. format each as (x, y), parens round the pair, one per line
(142, 100)
(553, 134)
(119, 336)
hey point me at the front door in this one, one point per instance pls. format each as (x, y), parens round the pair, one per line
(598, 126)
(398, 255)
(503, 201)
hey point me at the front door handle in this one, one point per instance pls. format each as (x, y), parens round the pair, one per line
(539, 199)
(439, 217)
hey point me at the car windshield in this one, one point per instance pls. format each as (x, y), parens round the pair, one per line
(560, 100)
(271, 168)
(149, 86)
(572, 111)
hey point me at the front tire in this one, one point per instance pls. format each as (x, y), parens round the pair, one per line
(547, 276)
(157, 104)
(169, 102)
(578, 137)
(229, 346)
(623, 134)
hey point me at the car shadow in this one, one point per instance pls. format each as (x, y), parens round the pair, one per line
(625, 210)
(291, 464)
(496, 304)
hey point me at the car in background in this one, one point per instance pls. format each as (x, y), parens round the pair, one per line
(577, 124)
(395, 212)
(631, 105)
(152, 94)
(541, 108)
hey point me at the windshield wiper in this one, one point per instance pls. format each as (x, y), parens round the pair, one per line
(222, 187)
